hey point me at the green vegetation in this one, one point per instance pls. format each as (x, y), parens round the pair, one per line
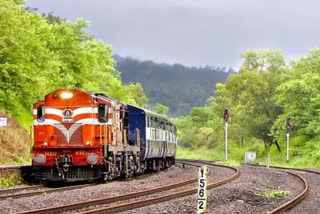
(276, 193)
(161, 109)
(259, 98)
(176, 86)
(41, 53)
(9, 181)
(301, 154)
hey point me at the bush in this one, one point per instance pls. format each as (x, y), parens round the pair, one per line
(9, 181)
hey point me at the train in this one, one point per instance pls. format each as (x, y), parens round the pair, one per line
(85, 136)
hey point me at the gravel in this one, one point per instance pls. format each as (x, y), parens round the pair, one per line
(312, 203)
(244, 195)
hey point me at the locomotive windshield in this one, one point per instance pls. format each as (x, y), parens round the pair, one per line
(103, 113)
(40, 113)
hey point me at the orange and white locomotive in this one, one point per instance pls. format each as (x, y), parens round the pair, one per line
(80, 135)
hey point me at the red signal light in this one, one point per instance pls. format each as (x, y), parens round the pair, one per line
(288, 125)
(226, 115)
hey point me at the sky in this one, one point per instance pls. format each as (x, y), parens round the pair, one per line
(195, 32)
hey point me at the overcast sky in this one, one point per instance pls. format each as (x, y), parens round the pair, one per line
(195, 32)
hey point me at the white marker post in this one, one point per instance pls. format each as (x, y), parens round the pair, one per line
(288, 129)
(288, 144)
(226, 140)
(202, 189)
(226, 118)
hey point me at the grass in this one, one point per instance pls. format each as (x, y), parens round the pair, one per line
(276, 193)
(200, 154)
(9, 181)
(205, 154)
(303, 153)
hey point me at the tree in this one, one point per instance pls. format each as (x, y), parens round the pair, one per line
(299, 96)
(39, 54)
(25, 61)
(250, 94)
(138, 95)
(161, 109)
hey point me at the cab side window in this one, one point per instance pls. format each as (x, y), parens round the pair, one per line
(40, 113)
(103, 113)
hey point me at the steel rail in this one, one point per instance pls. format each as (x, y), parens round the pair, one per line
(300, 197)
(18, 189)
(111, 199)
(296, 200)
(146, 202)
(43, 191)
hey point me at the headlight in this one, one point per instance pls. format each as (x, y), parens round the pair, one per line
(45, 143)
(66, 95)
(40, 159)
(92, 158)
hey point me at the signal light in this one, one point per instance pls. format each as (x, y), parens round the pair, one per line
(288, 125)
(226, 115)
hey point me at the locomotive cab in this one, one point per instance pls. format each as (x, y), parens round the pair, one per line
(71, 130)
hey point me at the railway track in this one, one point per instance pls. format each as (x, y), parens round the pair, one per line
(151, 196)
(296, 200)
(35, 190)
(5, 192)
(300, 197)
(141, 198)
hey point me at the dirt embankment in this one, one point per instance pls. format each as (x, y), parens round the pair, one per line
(14, 141)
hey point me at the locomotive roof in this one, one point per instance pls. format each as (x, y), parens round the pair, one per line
(107, 98)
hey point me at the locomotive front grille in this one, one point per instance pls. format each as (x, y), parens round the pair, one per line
(75, 173)
(68, 133)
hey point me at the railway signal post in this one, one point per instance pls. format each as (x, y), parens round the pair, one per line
(288, 129)
(226, 118)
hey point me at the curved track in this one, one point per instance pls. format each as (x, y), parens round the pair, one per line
(300, 197)
(141, 203)
(139, 199)
(26, 191)
(296, 200)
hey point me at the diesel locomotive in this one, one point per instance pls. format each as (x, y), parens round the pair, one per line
(85, 136)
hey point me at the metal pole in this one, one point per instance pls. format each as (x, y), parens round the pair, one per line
(226, 140)
(288, 139)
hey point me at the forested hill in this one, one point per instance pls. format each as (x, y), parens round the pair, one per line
(176, 86)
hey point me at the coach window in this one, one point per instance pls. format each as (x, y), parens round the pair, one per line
(148, 122)
(40, 113)
(103, 113)
(163, 127)
(156, 122)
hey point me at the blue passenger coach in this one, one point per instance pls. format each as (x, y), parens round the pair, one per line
(158, 141)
